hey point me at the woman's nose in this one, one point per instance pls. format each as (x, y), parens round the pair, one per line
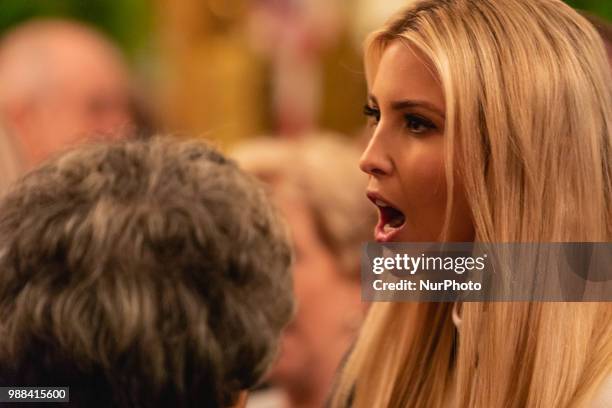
(375, 161)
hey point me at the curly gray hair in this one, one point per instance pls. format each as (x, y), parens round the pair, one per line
(141, 273)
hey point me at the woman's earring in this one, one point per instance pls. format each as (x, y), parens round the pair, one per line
(456, 314)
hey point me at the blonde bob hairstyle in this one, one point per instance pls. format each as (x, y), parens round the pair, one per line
(528, 126)
(319, 169)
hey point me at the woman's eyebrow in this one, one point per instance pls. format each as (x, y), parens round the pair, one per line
(408, 103)
(411, 103)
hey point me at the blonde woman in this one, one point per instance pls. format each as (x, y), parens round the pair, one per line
(491, 122)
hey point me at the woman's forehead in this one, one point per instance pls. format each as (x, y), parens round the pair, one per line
(404, 72)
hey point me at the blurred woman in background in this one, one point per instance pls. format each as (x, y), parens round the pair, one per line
(492, 122)
(316, 184)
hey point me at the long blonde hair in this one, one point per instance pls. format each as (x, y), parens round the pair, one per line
(528, 132)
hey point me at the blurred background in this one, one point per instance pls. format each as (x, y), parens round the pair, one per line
(230, 69)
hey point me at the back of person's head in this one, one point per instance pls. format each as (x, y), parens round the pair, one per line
(141, 274)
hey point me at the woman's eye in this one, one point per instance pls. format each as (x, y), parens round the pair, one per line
(372, 113)
(417, 124)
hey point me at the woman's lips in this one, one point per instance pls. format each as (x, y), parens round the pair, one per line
(391, 220)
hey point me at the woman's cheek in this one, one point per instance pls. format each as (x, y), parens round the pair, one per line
(425, 175)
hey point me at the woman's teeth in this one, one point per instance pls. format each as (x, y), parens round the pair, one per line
(391, 218)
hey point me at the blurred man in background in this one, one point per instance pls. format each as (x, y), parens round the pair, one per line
(60, 82)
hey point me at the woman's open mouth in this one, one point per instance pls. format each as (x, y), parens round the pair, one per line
(390, 220)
